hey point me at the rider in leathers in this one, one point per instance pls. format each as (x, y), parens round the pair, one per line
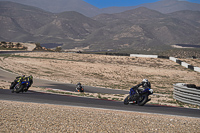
(18, 79)
(78, 86)
(134, 90)
(30, 80)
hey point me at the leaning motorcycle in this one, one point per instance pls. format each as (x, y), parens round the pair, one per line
(80, 89)
(140, 100)
(20, 87)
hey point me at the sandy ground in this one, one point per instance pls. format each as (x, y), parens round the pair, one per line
(29, 46)
(44, 118)
(193, 62)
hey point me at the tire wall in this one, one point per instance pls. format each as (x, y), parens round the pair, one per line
(185, 94)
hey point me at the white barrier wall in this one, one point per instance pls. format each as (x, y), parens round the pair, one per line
(173, 59)
(140, 55)
(185, 64)
(197, 69)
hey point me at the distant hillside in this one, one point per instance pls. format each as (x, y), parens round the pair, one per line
(140, 29)
(67, 26)
(23, 23)
(169, 6)
(57, 6)
(190, 17)
(163, 6)
(18, 22)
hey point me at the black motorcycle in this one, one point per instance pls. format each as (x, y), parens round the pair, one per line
(80, 89)
(140, 99)
(19, 87)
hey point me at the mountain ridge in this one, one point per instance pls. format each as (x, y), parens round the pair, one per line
(163, 6)
(137, 29)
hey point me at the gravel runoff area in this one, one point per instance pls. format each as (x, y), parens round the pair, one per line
(32, 117)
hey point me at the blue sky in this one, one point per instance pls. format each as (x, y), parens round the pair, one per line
(109, 3)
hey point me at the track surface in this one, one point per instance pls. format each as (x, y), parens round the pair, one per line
(4, 75)
(37, 97)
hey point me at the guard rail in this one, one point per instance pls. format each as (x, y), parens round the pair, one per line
(187, 94)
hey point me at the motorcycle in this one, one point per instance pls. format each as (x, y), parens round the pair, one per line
(80, 89)
(20, 87)
(140, 100)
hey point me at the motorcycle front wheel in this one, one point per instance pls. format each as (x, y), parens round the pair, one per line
(126, 100)
(12, 85)
(19, 88)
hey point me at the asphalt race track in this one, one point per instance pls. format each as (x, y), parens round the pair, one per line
(7, 76)
(37, 97)
(10, 52)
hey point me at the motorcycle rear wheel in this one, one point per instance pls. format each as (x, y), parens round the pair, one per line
(79, 89)
(142, 100)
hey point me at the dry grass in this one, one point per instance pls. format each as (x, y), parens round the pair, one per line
(193, 62)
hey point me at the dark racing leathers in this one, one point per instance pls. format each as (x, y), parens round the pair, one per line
(18, 79)
(28, 79)
(134, 89)
(78, 86)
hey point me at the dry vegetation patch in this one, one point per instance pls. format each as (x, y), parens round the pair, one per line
(193, 62)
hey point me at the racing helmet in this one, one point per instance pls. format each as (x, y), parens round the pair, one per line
(145, 80)
(31, 77)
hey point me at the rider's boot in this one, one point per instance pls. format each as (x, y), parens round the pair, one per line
(137, 95)
(26, 89)
(12, 90)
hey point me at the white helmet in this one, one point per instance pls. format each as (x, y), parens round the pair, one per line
(145, 80)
